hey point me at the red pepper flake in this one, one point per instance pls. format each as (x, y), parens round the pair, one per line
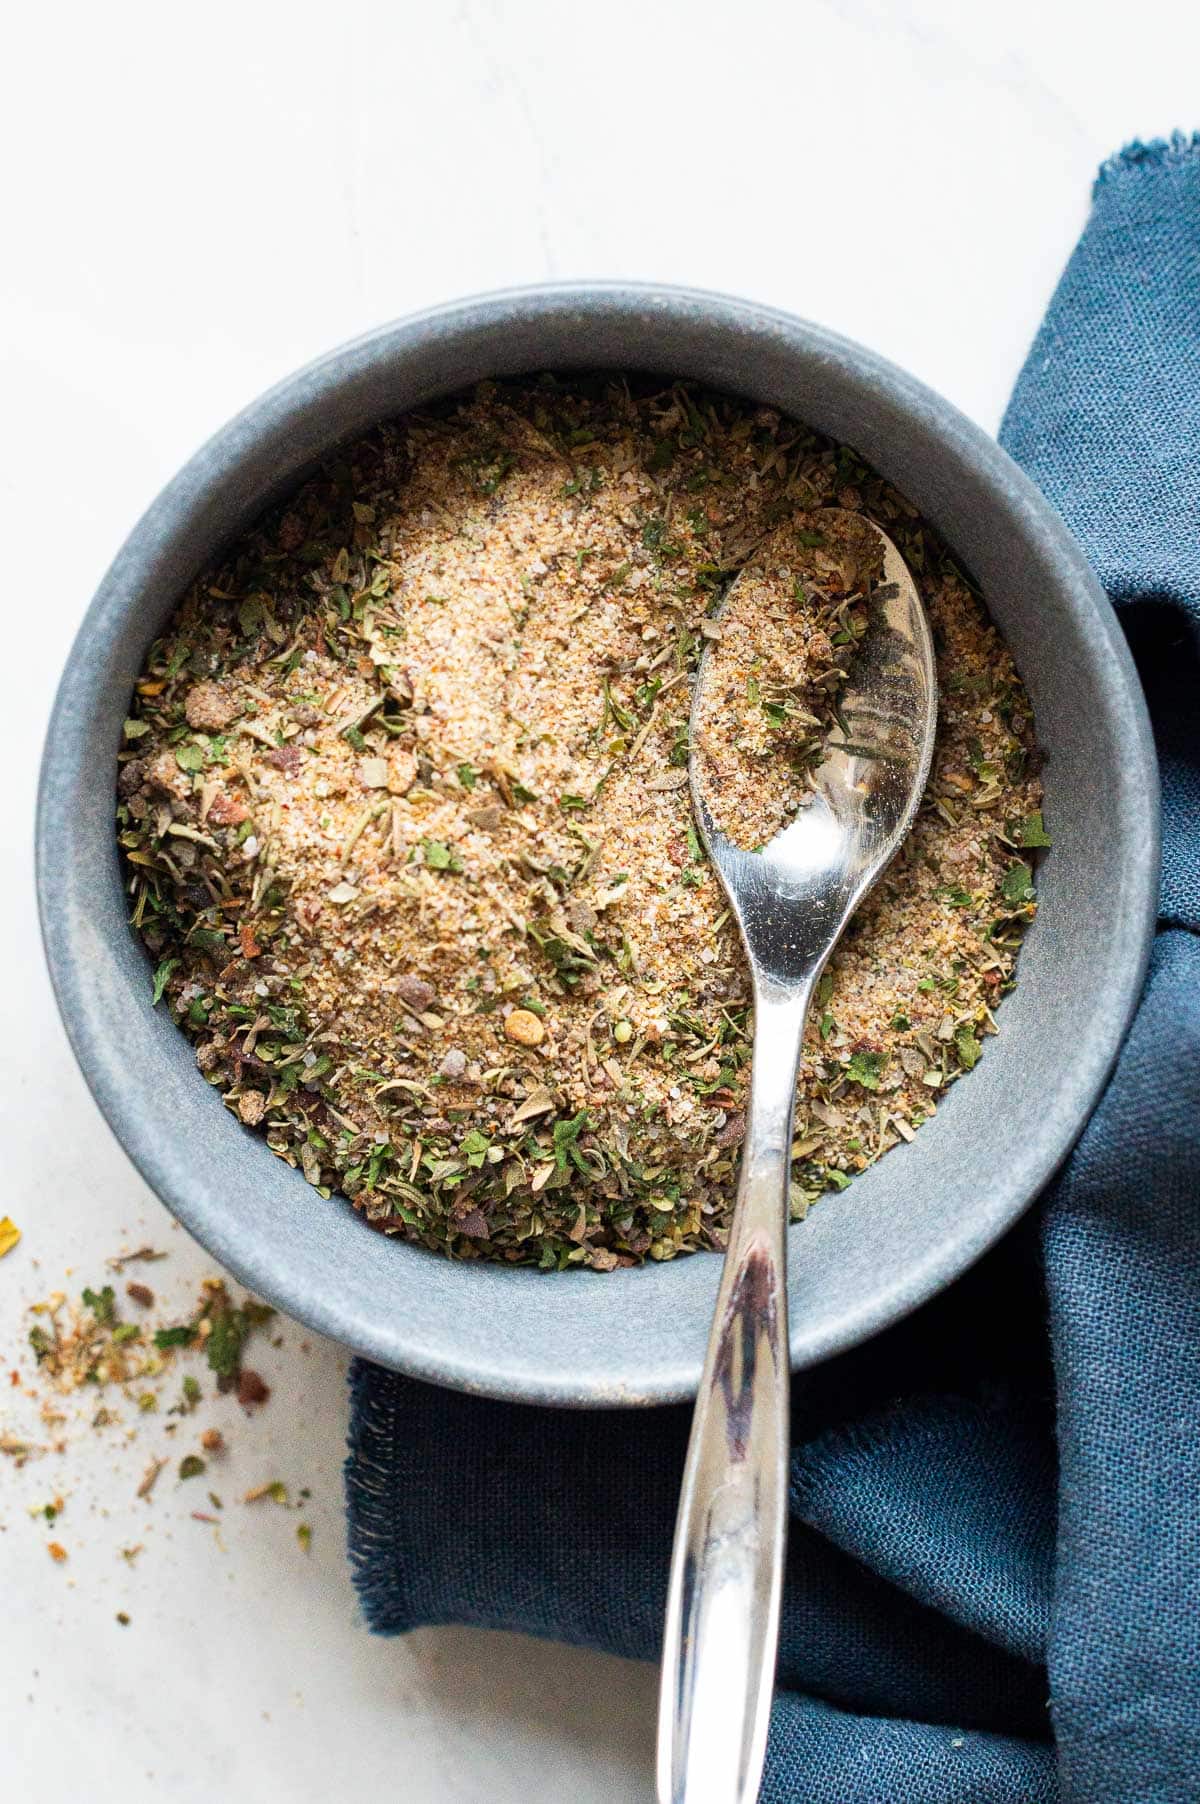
(734, 1131)
(250, 946)
(57, 1551)
(227, 811)
(287, 758)
(251, 1388)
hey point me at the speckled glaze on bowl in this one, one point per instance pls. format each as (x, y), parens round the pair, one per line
(908, 1226)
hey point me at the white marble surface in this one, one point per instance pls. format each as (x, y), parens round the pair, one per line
(194, 201)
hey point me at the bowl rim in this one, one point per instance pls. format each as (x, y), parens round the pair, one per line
(1136, 901)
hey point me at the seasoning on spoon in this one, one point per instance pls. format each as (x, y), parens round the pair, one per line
(774, 668)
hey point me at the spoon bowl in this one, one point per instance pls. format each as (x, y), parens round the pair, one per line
(792, 900)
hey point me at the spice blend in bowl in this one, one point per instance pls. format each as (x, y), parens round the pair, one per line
(404, 804)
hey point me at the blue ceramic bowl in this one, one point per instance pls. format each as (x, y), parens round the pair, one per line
(908, 1226)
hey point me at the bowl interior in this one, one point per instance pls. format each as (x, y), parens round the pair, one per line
(906, 1227)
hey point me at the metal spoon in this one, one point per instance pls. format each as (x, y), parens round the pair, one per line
(792, 901)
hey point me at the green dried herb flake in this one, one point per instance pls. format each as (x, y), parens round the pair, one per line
(439, 857)
(103, 1304)
(162, 972)
(1017, 884)
(223, 1348)
(474, 1147)
(230, 1328)
(566, 1137)
(182, 1336)
(866, 1068)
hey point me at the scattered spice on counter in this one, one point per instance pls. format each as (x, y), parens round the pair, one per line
(404, 807)
(10, 1234)
(93, 1373)
(90, 1342)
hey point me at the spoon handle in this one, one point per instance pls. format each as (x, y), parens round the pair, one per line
(722, 1621)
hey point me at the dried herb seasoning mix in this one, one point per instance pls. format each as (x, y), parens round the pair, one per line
(403, 799)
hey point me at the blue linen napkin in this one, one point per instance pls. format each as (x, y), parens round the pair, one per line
(993, 1582)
